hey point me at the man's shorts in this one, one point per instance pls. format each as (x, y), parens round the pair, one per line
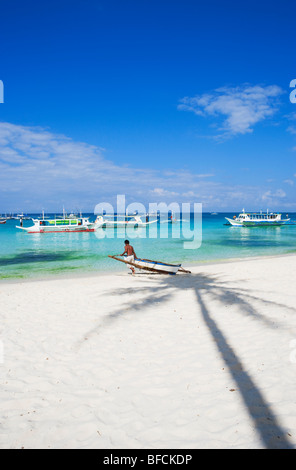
(130, 259)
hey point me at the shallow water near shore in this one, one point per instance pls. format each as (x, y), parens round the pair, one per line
(24, 255)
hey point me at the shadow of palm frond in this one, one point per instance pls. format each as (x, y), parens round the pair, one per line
(262, 415)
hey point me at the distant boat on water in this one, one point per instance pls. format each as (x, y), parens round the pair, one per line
(257, 219)
(65, 223)
(23, 217)
(124, 221)
(17, 217)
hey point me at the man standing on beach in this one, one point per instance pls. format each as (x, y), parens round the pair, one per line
(130, 254)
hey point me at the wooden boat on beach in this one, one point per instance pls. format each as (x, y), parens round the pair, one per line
(153, 266)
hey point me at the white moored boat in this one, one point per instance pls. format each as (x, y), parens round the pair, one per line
(153, 266)
(124, 220)
(64, 224)
(257, 219)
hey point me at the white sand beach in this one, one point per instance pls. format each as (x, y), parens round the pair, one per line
(201, 360)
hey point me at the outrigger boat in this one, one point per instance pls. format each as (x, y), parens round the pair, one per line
(65, 224)
(124, 220)
(23, 217)
(257, 219)
(153, 266)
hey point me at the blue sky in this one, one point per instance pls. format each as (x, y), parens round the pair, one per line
(182, 101)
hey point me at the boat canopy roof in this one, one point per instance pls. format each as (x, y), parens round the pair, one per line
(261, 213)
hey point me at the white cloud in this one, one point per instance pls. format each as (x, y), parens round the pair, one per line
(163, 192)
(240, 108)
(45, 166)
(291, 116)
(273, 195)
(40, 169)
(205, 175)
(291, 129)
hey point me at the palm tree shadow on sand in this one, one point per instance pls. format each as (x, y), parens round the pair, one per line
(266, 423)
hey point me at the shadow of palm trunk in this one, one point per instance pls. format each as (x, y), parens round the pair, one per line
(266, 424)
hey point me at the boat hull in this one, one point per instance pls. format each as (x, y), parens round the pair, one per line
(266, 224)
(54, 230)
(152, 266)
(234, 223)
(156, 266)
(115, 224)
(54, 226)
(263, 223)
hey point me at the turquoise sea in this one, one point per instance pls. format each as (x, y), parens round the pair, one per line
(24, 255)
